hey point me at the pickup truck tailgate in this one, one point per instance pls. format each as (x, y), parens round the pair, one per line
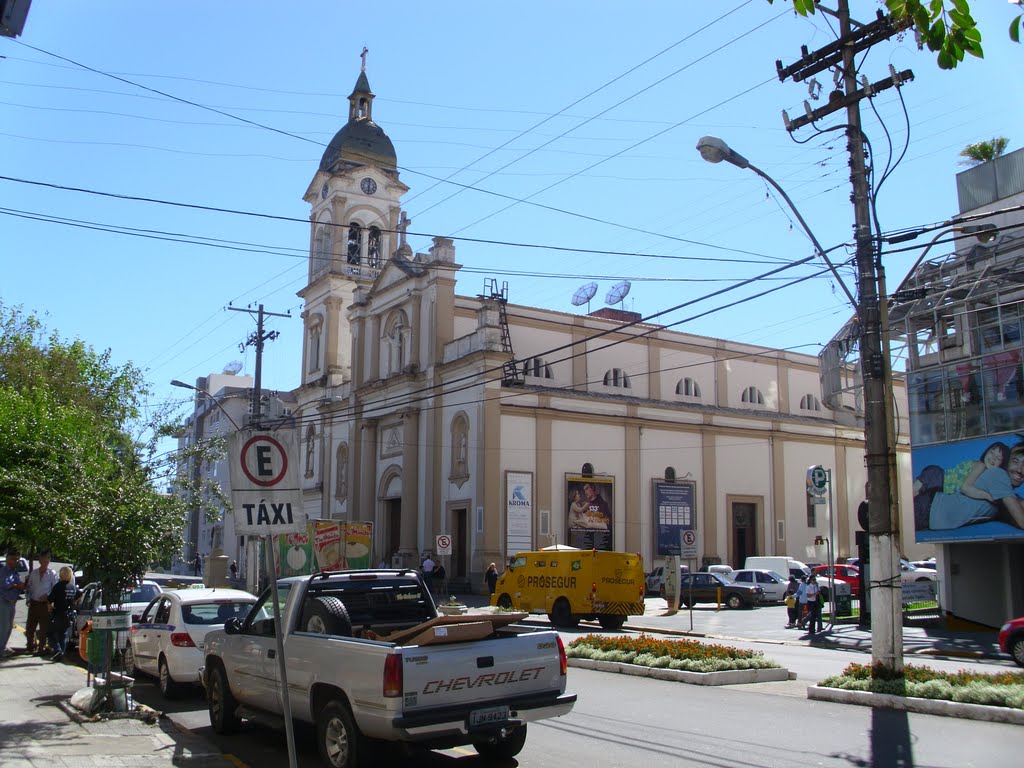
(497, 669)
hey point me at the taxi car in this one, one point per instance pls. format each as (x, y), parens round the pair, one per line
(168, 639)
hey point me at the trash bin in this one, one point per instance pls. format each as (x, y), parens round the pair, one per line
(844, 605)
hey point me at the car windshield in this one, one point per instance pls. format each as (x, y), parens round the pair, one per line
(776, 576)
(215, 613)
(141, 594)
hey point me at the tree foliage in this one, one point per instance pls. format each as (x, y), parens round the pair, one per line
(72, 476)
(948, 29)
(983, 151)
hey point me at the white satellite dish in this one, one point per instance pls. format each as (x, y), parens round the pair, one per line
(233, 367)
(584, 294)
(618, 292)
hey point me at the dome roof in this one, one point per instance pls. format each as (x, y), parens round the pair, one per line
(360, 140)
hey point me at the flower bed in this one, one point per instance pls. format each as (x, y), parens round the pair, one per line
(1000, 689)
(685, 655)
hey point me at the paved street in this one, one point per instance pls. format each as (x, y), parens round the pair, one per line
(618, 720)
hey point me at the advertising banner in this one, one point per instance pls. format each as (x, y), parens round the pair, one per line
(970, 490)
(327, 545)
(674, 512)
(518, 512)
(589, 503)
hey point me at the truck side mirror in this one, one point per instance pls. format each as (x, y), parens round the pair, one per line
(233, 626)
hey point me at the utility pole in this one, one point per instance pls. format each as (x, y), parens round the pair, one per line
(876, 369)
(256, 339)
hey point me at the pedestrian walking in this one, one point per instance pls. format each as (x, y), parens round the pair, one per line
(37, 590)
(791, 602)
(491, 578)
(813, 605)
(62, 600)
(11, 587)
(233, 570)
(427, 568)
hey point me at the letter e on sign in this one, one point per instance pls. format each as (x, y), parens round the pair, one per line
(264, 461)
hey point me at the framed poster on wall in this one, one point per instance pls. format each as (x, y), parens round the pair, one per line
(590, 511)
(674, 512)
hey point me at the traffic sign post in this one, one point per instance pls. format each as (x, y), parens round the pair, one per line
(267, 501)
(443, 544)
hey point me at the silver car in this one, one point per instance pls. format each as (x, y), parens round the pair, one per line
(773, 584)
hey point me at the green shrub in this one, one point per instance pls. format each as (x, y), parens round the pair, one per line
(685, 655)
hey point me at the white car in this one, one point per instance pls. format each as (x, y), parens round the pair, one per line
(134, 601)
(773, 584)
(169, 638)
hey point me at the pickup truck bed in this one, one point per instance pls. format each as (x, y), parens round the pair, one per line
(369, 660)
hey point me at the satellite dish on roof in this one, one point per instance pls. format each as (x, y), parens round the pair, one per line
(233, 367)
(618, 292)
(584, 294)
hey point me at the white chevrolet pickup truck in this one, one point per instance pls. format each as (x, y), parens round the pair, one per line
(369, 661)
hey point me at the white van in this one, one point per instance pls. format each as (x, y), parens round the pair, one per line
(782, 565)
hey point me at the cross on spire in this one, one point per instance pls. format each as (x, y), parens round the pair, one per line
(403, 225)
(363, 57)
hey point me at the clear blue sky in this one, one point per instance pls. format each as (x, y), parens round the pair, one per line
(454, 82)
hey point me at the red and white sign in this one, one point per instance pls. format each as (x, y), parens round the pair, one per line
(443, 544)
(265, 493)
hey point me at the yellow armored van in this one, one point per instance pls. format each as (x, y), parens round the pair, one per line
(571, 584)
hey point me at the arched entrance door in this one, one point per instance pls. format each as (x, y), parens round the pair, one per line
(391, 515)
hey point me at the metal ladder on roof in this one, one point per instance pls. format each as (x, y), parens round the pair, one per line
(510, 370)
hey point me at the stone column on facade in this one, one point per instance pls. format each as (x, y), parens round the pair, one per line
(358, 374)
(709, 481)
(632, 494)
(337, 350)
(415, 337)
(409, 537)
(372, 371)
(367, 498)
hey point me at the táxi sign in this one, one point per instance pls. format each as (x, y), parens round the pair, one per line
(265, 493)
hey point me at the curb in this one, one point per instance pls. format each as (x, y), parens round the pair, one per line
(920, 706)
(729, 677)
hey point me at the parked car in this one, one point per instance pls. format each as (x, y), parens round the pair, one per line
(780, 564)
(134, 601)
(773, 584)
(929, 564)
(1011, 639)
(652, 583)
(704, 588)
(848, 573)
(908, 572)
(661, 581)
(169, 638)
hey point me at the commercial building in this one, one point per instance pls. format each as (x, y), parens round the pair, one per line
(961, 319)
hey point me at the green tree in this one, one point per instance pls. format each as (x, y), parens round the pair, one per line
(983, 151)
(948, 30)
(72, 475)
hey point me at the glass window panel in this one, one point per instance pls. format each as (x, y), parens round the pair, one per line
(1004, 390)
(927, 418)
(965, 416)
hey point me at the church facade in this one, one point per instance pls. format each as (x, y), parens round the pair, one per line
(507, 427)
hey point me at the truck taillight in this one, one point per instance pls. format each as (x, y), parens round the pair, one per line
(563, 661)
(393, 676)
(182, 640)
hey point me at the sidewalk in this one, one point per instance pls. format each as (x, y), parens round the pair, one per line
(36, 733)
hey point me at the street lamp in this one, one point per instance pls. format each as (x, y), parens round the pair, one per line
(714, 150)
(183, 385)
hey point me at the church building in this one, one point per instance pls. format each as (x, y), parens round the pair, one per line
(506, 427)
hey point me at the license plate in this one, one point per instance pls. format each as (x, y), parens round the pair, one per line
(479, 718)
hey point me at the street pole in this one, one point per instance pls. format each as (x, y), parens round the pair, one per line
(876, 371)
(256, 340)
(282, 667)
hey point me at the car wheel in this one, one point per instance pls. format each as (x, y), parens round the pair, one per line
(561, 614)
(221, 703)
(685, 603)
(503, 746)
(168, 688)
(504, 601)
(1017, 649)
(130, 668)
(611, 623)
(734, 601)
(327, 616)
(338, 738)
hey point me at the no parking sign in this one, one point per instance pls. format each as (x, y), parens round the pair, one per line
(443, 544)
(265, 494)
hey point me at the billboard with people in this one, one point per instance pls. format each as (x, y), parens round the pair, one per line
(969, 490)
(590, 502)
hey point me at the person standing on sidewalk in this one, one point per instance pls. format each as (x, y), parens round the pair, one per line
(813, 605)
(801, 603)
(40, 582)
(62, 598)
(11, 587)
(792, 607)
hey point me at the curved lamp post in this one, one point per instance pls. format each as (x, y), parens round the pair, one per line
(714, 150)
(183, 385)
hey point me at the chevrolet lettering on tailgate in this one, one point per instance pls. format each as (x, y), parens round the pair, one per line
(491, 678)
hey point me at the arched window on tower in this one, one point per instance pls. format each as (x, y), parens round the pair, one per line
(316, 325)
(355, 241)
(321, 250)
(362, 108)
(536, 366)
(810, 403)
(373, 248)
